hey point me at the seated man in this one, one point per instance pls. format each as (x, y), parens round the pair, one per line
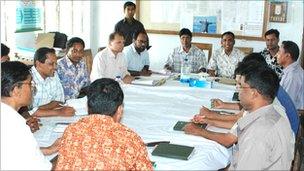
(137, 56)
(19, 149)
(186, 51)
(110, 62)
(224, 60)
(293, 74)
(272, 38)
(99, 141)
(49, 97)
(72, 69)
(4, 53)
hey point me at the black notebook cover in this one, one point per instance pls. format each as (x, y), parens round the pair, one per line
(180, 125)
(235, 96)
(173, 151)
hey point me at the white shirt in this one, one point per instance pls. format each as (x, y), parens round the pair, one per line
(48, 90)
(135, 61)
(107, 65)
(224, 64)
(293, 83)
(19, 149)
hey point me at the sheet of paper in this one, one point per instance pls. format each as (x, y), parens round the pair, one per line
(80, 105)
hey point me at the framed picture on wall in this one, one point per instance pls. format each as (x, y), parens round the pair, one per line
(278, 12)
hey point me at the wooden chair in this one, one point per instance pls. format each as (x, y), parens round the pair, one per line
(205, 46)
(246, 50)
(88, 58)
(101, 48)
(299, 145)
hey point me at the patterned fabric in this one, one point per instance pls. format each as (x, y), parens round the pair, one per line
(107, 65)
(73, 77)
(136, 61)
(293, 83)
(195, 55)
(49, 89)
(96, 142)
(272, 62)
(224, 64)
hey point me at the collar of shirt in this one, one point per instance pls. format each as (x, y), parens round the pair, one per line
(134, 50)
(69, 62)
(111, 54)
(247, 119)
(37, 76)
(224, 54)
(181, 50)
(290, 67)
(126, 20)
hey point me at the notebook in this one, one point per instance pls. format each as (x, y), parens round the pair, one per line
(156, 82)
(174, 151)
(180, 125)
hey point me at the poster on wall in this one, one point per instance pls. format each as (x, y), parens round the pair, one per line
(204, 24)
(28, 16)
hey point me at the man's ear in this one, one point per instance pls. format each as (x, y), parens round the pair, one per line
(118, 114)
(16, 92)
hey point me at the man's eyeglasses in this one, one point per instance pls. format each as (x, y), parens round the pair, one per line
(32, 84)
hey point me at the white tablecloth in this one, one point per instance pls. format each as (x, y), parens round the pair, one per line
(153, 111)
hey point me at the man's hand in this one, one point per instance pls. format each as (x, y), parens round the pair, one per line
(200, 119)
(217, 104)
(32, 122)
(192, 129)
(51, 149)
(67, 111)
(128, 79)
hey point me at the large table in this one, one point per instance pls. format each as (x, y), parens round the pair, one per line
(153, 111)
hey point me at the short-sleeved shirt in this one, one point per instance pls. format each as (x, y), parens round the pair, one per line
(293, 83)
(72, 77)
(272, 62)
(265, 141)
(48, 90)
(224, 64)
(128, 29)
(96, 142)
(107, 65)
(195, 56)
(136, 61)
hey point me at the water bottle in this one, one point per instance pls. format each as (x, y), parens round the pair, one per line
(185, 71)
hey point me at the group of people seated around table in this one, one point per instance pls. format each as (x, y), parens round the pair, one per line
(270, 86)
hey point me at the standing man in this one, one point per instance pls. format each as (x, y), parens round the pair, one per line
(186, 50)
(224, 60)
(129, 25)
(293, 74)
(272, 38)
(137, 55)
(110, 62)
(72, 69)
(49, 97)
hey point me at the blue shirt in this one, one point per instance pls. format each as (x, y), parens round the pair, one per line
(72, 77)
(136, 61)
(290, 109)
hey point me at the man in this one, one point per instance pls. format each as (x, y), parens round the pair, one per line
(49, 97)
(137, 56)
(225, 59)
(293, 75)
(19, 149)
(129, 25)
(72, 69)
(99, 141)
(272, 38)
(186, 51)
(4, 53)
(110, 62)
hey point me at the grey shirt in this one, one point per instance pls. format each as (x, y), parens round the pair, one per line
(265, 141)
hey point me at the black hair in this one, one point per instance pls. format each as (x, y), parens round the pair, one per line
(104, 97)
(4, 50)
(112, 35)
(137, 32)
(272, 31)
(228, 33)
(291, 48)
(264, 80)
(73, 40)
(128, 3)
(12, 73)
(40, 54)
(185, 31)
(249, 62)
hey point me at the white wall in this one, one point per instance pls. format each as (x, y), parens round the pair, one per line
(162, 45)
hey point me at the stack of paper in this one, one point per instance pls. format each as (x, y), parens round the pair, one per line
(149, 82)
(80, 105)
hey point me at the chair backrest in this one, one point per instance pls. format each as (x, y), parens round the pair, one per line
(246, 50)
(101, 48)
(299, 145)
(206, 47)
(88, 58)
